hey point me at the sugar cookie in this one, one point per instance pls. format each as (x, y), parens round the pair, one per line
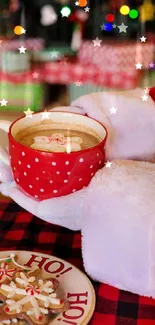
(31, 298)
(8, 267)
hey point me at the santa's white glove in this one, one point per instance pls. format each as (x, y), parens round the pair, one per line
(62, 211)
(129, 119)
(131, 135)
(59, 211)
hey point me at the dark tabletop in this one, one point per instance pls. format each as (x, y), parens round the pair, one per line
(20, 230)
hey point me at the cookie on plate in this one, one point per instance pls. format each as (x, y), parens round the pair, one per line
(7, 320)
(13, 321)
(31, 298)
(8, 267)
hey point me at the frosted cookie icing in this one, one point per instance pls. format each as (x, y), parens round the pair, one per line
(9, 321)
(38, 294)
(13, 321)
(8, 267)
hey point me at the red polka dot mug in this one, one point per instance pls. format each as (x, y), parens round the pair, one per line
(43, 175)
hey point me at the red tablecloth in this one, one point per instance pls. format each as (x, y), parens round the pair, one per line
(55, 72)
(23, 231)
(72, 72)
(119, 55)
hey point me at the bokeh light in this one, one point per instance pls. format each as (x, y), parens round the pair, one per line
(133, 13)
(124, 10)
(65, 11)
(82, 3)
(108, 27)
(19, 30)
(110, 18)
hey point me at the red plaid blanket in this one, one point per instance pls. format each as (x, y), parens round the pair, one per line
(22, 231)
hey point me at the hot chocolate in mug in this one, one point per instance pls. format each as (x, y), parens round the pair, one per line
(54, 154)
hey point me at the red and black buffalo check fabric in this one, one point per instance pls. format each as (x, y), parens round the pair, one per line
(22, 231)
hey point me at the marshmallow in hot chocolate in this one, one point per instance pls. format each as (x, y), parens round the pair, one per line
(57, 143)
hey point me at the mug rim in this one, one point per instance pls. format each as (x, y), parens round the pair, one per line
(60, 153)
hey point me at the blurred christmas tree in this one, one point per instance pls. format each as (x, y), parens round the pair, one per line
(5, 20)
(43, 18)
(137, 25)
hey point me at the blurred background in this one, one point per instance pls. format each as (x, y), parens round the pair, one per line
(53, 51)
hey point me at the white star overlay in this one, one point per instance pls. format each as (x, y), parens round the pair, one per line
(122, 28)
(97, 42)
(144, 98)
(55, 54)
(65, 13)
(78, 83)
(28, 113)
(3, 102)
(146, 90)
(108, 164)
(102, 27)
(143, 39)
(113, 110)
(87, 9)
(45, 115)
(138, 65)
(35, 75)
(22, 49)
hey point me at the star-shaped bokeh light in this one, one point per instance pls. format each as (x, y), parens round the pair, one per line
(54, 54)
(138, 65)
(143, 39)
(28, 113)
(65, 11)
(122, 28)
(146, 90)
(144, 98)
(35, 75)
(3, 102)
(45, 115)
(22, 49)
(78, 83)
(108, 164)
(87, 9)
(113, 110)
(97, 42)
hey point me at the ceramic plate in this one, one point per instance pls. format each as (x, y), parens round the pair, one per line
(74, 285)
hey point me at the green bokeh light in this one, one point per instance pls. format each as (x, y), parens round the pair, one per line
(65, 11)
(133, 13)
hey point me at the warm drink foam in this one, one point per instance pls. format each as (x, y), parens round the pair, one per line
(58, 137)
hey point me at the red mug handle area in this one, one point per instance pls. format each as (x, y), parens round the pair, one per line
(152, 93)
(4, 157)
